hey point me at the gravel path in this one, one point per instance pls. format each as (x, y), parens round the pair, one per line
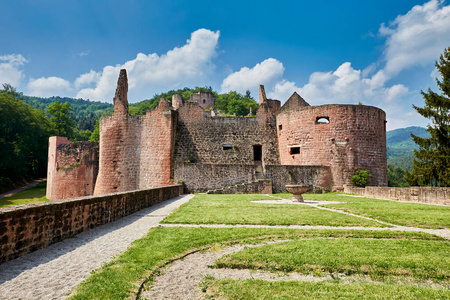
(52, 272)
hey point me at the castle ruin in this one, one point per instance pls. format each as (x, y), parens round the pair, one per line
(185, 141)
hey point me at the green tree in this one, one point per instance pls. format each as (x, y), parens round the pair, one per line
(61, 119)
(396, 176)
(24, 133)
(431, 165)
(95, 136)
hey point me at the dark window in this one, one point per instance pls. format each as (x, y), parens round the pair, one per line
(204, 101)
(227, 147)
(280, 127)
(257, 152)
(294, 150)
(322, 120)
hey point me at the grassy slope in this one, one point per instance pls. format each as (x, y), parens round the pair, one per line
(33, 195)
(238, 209)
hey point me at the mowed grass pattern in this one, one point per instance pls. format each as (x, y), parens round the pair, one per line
(238, 209)
(399, 213)
(378, 258)
(35, 194)
(259, 290)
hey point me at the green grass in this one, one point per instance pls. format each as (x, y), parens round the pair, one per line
(259, 289)
(238, 209)
(399, 213)
(122, 276)
(423, 260)
(35, 194)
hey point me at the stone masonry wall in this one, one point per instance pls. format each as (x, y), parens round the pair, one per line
(72, 168)
(157, 144)
(354, 138)
(200, 138)
(432, 195)
(203, 177)
(120, 136)
(317, 177)
(27, 228)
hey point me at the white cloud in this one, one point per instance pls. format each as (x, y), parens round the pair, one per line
(268, 72)
(416, 38)
(87, 79)
(49, 86)
(184, 66)
(10, 69)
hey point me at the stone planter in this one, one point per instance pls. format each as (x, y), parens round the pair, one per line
(297, 191)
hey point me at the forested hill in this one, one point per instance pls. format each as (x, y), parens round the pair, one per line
(400, 146)
(85, 112)
(401, 138)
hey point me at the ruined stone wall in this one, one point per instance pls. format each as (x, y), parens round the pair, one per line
(72, 168)
(203, 177)
(204, 99)
(431, 195)
(201, 138)
(26, 228)
(120, 138)
(317, 177)
(157, 144)
(354, 138)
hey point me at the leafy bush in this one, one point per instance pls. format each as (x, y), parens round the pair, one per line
(361, 178)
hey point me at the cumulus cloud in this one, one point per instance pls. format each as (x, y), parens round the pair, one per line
(416, 38)
(183, 66)
(10, 71)
(87, 79)
(49, 86)
(268, 72)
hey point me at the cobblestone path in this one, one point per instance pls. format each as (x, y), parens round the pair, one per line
(52, 272)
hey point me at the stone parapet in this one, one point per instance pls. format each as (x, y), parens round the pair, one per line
(431, 195)
(26, 228)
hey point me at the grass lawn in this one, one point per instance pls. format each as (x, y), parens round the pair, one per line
(238, 209)
(378, 258)
(32, 195)
(400, 213)
(259, 289)
(122, 276)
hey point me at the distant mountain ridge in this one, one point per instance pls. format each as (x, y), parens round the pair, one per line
(400, 145)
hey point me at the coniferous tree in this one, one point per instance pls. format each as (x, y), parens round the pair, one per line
(431, 165)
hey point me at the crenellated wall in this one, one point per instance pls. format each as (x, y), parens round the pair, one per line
(354, 138)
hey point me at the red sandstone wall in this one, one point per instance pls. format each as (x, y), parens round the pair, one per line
(157, 143)
(26, 228)
(72, 168)
(200, 138)
(355, 138)
(119, 154)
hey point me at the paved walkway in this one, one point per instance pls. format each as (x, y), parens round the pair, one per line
(23, 188)
(52, 272)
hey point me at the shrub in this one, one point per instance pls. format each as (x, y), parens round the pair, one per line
(361, 178)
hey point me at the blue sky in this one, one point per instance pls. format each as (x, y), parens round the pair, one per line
(378, 53)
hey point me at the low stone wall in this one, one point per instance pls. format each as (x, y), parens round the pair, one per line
(203, 177)
(263, 186)
(27, 228)
(434, 195)
(317, 177)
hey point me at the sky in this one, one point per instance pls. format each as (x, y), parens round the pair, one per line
(378, 53)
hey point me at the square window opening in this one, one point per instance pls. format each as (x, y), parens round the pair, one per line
(294, 150)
